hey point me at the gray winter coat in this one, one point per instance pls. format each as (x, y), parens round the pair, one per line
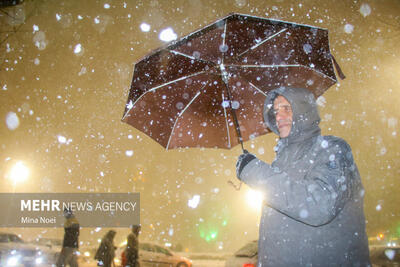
(313, 213)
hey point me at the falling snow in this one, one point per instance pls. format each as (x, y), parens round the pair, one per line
(365, 10)
(40, 40)
(54, 93)
(167, 35)
(235, 104)
(35, 28)
(145, 27)
(194, 201)
(198, 180)
(348, 28)
(225, 103)
(303, 214)
(223, 48)
(240, 3)
(307, 48)
(321, 101)
(62, 139)
(78, 49)
(179, 105)
(12, 121)
(324, 144)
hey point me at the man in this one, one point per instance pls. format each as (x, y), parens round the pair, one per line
(131, 253)
(313, 213)
(71, 242)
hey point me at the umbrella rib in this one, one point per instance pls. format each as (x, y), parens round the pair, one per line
(277, 66)
(191, 57)
(130, 105)
(191, 101)
(223, 40)
(266, 66)
(226, 122)
(177, 80)
(181, 54)
(258, 89)
(282, 21)
(180, 114)
(260, 43)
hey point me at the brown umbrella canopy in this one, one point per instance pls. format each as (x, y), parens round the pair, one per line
(187, 93)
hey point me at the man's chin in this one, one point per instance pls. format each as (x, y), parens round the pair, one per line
(283, 132)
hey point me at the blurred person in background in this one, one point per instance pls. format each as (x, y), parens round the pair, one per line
(131, 253)
(68, 255)
(106, 252)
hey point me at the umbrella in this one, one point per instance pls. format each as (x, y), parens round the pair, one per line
(207, 89)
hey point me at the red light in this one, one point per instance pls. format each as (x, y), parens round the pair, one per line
(248, 265)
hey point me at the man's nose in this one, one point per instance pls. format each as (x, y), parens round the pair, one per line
(282, 114)
(279, 115)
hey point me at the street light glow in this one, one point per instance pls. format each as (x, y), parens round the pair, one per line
(19, 172)
(254, 199)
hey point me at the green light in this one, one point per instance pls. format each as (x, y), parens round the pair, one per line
(202, 234)
(213, 235)
(208, 230)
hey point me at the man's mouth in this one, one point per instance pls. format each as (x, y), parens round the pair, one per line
(281, 125)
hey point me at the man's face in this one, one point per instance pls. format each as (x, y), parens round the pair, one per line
(284, 116)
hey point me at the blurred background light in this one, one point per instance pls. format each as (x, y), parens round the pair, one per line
(19, 172)
(254, 199)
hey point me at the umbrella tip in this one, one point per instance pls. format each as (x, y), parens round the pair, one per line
(338, 69)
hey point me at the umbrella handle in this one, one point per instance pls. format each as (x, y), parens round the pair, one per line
(241, 143)
(235, 120)
(237, 127)
(237, 187)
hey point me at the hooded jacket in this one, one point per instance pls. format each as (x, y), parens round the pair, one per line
(313, 197)
(132, 249)
(71, 235)
(106, 251)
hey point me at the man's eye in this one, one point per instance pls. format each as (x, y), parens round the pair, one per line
(287, 108)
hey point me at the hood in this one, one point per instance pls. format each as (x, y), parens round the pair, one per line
(305, 113)
(110, 236)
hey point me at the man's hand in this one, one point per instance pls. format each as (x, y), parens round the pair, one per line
(242, 161)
